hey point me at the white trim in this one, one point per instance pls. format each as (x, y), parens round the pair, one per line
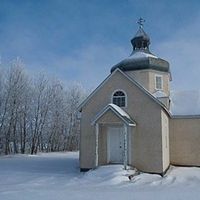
(96, 145)
(78, 115)
(108, 144)
(159, 76)
(125, 146)
(130, 132)
(125, 96)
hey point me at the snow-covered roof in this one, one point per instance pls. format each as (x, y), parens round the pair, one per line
(185, 103)
(159, 94)
(141, 54)
(142, 59)
(118, 111)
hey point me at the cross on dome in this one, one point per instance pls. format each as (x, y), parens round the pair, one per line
(141, 22)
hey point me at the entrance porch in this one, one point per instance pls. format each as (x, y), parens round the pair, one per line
(113, 136)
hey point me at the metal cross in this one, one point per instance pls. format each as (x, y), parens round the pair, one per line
(141, 22)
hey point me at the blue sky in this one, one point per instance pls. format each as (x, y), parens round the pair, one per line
(80, 40)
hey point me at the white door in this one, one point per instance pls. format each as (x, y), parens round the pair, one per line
(115, 147)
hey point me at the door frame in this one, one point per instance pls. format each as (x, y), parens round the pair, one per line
(128, 143)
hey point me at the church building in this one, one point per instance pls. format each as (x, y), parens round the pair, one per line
(127, 119)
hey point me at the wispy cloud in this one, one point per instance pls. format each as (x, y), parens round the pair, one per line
(89, 65)
(182, 51)
(81, 41)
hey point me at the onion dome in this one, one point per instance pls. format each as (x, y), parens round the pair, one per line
(141, 40)
(141, 58)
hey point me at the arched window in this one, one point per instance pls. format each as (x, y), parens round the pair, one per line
(119, 98)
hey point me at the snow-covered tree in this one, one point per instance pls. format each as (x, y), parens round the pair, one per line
(37, 114)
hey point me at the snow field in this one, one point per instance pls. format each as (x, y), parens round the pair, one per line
(56, 176)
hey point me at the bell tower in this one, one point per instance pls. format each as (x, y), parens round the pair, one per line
(141, 40)
(150, 71)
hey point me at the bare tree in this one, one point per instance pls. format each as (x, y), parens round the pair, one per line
(75, 94)
(37, 114)
(11, 98)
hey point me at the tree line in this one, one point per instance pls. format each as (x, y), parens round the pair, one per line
(37, 113)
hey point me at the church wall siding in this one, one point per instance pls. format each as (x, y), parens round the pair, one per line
(141, 76)
(109, 116)
(147, 79)
(147, 154)
(185, 141)
(102, 144)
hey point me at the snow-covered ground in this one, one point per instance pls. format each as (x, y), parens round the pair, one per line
(56, 176)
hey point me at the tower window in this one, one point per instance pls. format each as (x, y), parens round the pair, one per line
(158, 82)
(119, 98)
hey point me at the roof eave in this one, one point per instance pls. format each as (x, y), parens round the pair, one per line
(108, 107)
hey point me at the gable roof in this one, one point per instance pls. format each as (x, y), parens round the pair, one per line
(118, 111)
(132, 81)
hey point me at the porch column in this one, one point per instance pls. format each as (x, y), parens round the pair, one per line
(125, 146)
(96, 144)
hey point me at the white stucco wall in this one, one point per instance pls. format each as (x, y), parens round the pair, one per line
(147, 135)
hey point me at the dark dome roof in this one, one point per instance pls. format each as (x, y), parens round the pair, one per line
(142, 60)
(141, 57)
(141, 40)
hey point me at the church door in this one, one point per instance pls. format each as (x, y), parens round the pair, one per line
(115, 145)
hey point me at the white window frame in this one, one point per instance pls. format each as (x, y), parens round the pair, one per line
(159, 76)
(125, 97)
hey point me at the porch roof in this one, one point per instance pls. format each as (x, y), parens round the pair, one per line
(117, 111)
